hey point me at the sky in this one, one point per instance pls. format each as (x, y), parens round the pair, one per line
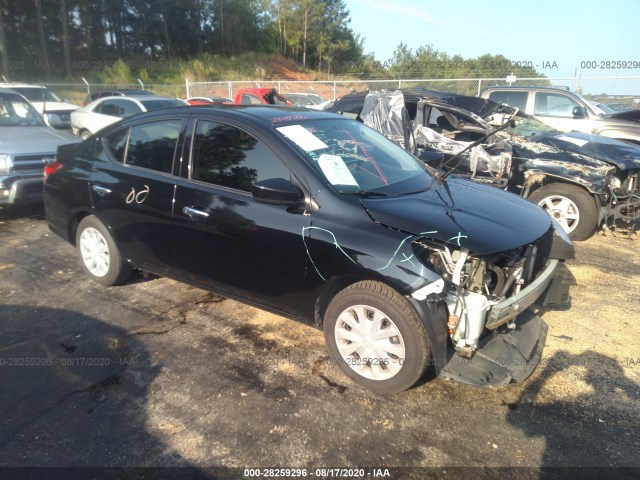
(559, 38)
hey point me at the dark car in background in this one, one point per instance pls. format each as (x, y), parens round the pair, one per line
(584, 181)
(27, 145)
(318, 218)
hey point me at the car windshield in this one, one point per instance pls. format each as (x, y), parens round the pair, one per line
(355, 159)
(158, 104)
(595, 108)
(301, 100)
(16, 111)
(37, 94)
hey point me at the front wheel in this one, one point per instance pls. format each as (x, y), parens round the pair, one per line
(376, 337)
(99, 254)
(573, 207)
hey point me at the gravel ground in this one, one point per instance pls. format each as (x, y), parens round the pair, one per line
(193, 379)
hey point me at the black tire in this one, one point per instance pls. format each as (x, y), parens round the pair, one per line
(84, 134)
(98, 253)
(398, 316)
(551, 198)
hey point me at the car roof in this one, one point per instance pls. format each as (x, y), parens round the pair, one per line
(21, 85)
(271, 114)
(124, 90)
(528, 87)
(135, 97)
(8, 90)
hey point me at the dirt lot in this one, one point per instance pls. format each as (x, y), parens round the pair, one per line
(156, 373)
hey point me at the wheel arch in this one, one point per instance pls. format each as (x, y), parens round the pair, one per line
(433, 315)
(539, 179)
(74, 221)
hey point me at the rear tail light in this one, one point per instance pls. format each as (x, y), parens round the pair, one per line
(52, 168)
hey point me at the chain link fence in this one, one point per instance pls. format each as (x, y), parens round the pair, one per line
(601, 89)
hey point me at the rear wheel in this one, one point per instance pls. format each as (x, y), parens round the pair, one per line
(573, 207)
(99, 254)
(84, 134)
(376, 337)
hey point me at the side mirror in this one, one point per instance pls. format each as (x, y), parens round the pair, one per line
(431, 157)
(579, 112)
(53, 119)
(277, 191)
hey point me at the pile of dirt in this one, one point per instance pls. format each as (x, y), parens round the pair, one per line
(279, 67)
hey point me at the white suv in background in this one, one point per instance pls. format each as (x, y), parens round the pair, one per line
(567, 111)
(55, 112)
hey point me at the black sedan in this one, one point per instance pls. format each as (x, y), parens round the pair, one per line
(319, 218)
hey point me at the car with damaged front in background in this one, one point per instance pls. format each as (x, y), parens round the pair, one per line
(586, 182)
(321, 219)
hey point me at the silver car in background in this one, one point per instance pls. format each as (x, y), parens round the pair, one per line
(102, 112)
(27, 145)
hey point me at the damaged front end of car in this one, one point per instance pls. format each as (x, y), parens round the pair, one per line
(485, 271)
(495, 336)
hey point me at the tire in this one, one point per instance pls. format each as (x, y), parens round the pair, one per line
(399, 360)
(573, 207)
(98, 253)
(84, 134)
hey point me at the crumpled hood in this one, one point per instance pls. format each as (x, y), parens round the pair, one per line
(463, 213)
(623, 155)
(33, 140)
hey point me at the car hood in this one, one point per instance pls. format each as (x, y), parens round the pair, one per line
(623, 155)
(54, 106)
(463, 213)
(27, 140)
(632, 115)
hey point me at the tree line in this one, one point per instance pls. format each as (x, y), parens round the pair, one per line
(72, 38)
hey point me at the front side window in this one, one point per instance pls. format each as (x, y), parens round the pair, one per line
(228, 156)
(149, 145)
(554, 105)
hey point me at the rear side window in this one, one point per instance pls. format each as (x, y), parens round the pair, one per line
(227, 156)
(149, 145)
(515, 99)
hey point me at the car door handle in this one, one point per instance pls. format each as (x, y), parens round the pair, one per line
(102, 191)
(195, 214)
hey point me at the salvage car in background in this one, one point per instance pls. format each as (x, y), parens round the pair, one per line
(584, 181)
(259, 96)
(102, 112)
(318, 217)
(26, 146)
(55, 112)
(308, 100)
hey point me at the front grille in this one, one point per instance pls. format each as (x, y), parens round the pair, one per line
(31, 162)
